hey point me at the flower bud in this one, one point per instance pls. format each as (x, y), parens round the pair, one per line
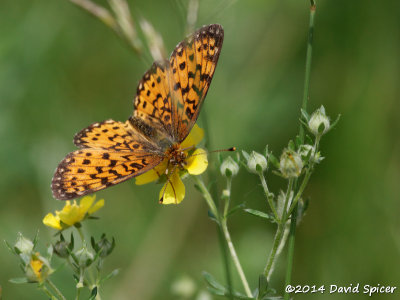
(319, 122)
(61, 249)
(304, 150)
(85, 257)
(257, 162)
(184, 287)
(290, 164)
(103, 246)
(23, 245)
(38, 268)
(229, 167)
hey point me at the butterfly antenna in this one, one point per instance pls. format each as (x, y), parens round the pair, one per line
(222, 150)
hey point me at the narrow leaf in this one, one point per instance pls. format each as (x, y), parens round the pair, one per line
(258, 213)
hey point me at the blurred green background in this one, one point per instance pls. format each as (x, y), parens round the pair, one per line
(61, 70)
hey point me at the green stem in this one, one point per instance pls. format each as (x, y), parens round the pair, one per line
(308, 65)
(294, 207)
(211, 204)
(224, 230)
(268, 195)
(48, 293)
(206, 195)
(279, 234)
(292, 237)
(55, 289)
(235, 258)
(272, 255)
(224, 227)
(227, 197)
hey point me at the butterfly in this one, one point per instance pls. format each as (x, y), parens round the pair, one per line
(167, 104)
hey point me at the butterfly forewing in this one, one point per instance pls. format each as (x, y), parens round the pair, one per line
(152, 103)
(193, 64)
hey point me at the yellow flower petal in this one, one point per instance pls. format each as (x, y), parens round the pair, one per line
(86, 203)
(173, 190)
(52, 221)
(71, 214)
(153, 174)
(99, 204)
(195, 136)
(36, 266)
(197, 163)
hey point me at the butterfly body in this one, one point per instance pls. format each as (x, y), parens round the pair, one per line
(167, 104)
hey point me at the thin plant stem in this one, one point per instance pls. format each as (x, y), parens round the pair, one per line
(294, 206)
(224, 229)
(278, 235)
(308, 64)
(206, 195)
(228, 197)
(55, 289)
(48, 293)
(235, 258)
(211, 204)
(292, 237)
(268, 195)
(108, 19)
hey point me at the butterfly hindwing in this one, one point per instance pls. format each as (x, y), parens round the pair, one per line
(88, 170)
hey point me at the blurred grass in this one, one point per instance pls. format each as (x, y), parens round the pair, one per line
(61, 70)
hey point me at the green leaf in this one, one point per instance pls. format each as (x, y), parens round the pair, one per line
(321, 128)
(71, 243)
(212, 282)
(109, 276)
(303, 123)
(298, 141)
(273, 160)
(308, 140)
(19, 280)
(291, 146)
(305, 115)
(36, 239)
(12, 250)
(93, 293)
(236, 208)
(245, 155)
(335, 122)
(266, 151)
(258, 213)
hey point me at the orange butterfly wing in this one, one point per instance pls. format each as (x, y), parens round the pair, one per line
(193, 63)
(112, 153)
(170, 95)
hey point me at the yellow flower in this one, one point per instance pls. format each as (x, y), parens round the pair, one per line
(195, 162)
(38, 268)
(72, 214)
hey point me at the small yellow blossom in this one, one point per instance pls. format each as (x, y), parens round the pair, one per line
(195, 163)
(72, 214)
(38, 268)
